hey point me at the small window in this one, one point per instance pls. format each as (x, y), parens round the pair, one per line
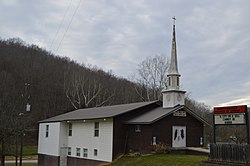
(70, 129)
(154, 141)
(78, 151)
(69, 151)
(169, 81)
(178, 81)
(137, 128)
(95, 152)
(96, 129)
(47, 131)
(85, 152)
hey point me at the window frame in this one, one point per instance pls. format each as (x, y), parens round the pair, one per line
(47, 131)
(78, 152)
(178, 81)
(70, 130)
(96, 129)
(137, 128)
(69, 151)
(85, 152)
(95, 152)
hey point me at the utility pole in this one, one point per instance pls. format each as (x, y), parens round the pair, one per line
(27, 107)
(16, 157)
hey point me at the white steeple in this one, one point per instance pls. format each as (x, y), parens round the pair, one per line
(173, 68)
(173, 96)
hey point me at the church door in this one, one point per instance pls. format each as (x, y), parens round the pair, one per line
(179, 136)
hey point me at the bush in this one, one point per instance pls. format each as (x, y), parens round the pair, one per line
(160, 148)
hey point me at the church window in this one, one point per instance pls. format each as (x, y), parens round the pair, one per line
(47, 131)
(137, 128)
(178, 81)
(69, 151)
(70, 129)
(95, 152)
(169, 81)
(85, 152)
(78, 151)
(96, 129)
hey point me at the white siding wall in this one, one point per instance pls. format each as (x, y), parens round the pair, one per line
(63, 134)
(49, 145)
(83, 137)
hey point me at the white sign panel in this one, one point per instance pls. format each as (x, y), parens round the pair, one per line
(180, 113)
(229, 118)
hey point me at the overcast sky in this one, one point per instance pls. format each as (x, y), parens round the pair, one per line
(213, 38)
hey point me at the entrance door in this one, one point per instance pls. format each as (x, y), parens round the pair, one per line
(179, 136)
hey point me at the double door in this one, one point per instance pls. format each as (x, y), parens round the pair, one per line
(179, 136)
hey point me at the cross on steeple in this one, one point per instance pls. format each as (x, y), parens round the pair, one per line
(174, 19)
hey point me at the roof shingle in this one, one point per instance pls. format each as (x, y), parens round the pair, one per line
(98, 112)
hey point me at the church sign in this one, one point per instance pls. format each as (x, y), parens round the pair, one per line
(230, 115)
(229, 119)
(180, 113)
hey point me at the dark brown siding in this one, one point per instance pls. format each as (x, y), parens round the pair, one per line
(162, 130)
(139, 141)
(120, 137)
(72, 161)
(45, 160)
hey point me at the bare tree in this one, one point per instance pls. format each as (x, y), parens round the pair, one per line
(152, 74)
(82, 91)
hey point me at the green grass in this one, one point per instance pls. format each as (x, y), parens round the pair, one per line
(27, 150)
(160, 160)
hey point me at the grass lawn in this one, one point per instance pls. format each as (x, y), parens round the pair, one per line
(160, 160)
(27, 150)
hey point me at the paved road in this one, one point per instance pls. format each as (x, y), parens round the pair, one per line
(24, 161)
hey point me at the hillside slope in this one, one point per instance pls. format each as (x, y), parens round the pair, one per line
(55, 84)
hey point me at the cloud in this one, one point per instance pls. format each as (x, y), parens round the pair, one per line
(212, 40)
(241, 101)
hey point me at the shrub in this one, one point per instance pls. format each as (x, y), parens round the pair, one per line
(160, 148)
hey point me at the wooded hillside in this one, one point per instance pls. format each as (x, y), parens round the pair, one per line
(53, 84)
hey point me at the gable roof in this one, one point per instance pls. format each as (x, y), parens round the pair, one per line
(159, 113)
(98, 112)
(152, 115)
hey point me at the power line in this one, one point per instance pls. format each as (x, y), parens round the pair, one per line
(78, 5)
(62, 21)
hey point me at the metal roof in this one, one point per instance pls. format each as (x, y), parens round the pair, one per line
(159, 113)
(153, 115)
(98, 112)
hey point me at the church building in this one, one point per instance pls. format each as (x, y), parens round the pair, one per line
(99, 135)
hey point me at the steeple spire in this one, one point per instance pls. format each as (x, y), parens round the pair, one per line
(173, 96)
(173, 68)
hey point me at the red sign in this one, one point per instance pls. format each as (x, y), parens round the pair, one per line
(230, 109)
